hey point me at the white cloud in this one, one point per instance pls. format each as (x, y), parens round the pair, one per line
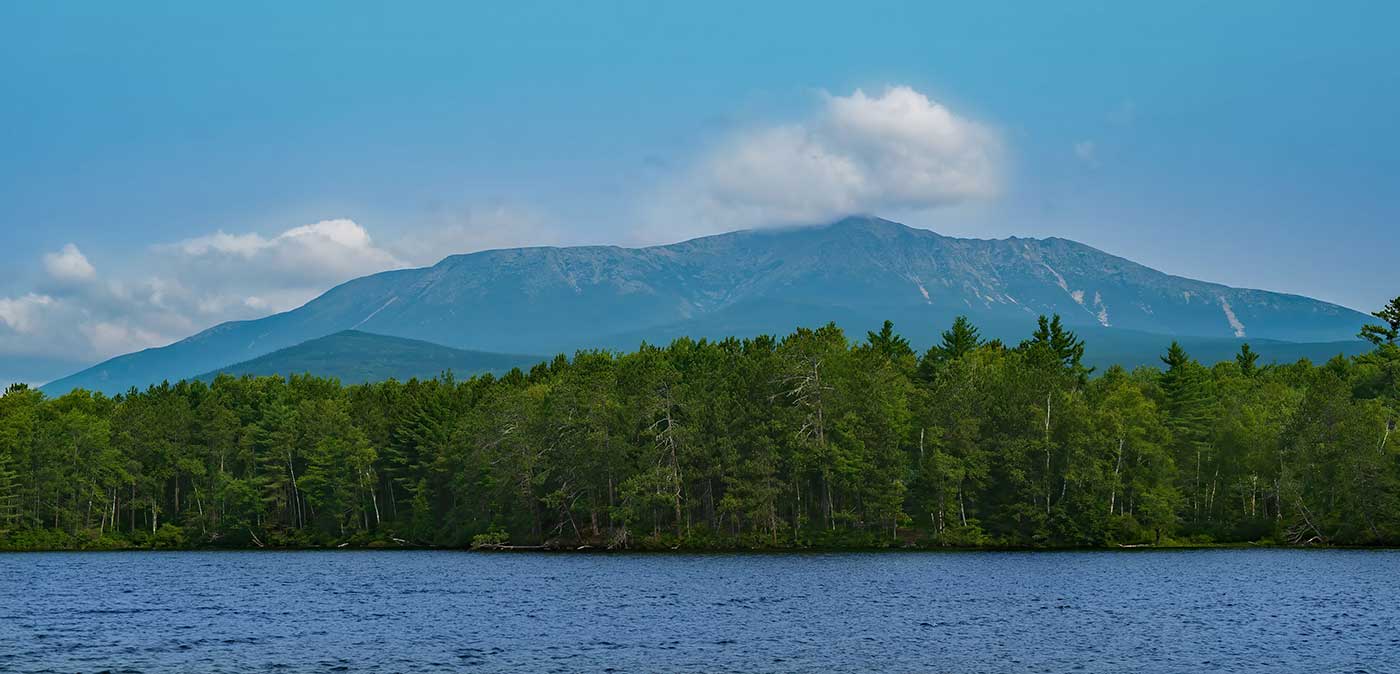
(899, 150)
(69, 265)
(200, 282)
(330, 250)
(245, 275)
(116, 337)
(98, 320)
(246, 245)
(22, 315)
(37, 325)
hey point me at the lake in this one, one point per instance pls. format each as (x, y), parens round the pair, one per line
(1182, 611)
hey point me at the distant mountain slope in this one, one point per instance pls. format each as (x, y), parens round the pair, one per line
(857, 271)
(1104, 346)
(356, 357)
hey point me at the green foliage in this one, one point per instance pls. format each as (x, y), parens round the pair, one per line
(954, 343)
(808, 440)
(490, 539)
(168, 537)
(1247, 359)
(1389, 330)
(1052, 337)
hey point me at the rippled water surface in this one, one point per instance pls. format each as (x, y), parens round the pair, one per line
(1230, 611)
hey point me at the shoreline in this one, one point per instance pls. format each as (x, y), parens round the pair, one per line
(797, 550)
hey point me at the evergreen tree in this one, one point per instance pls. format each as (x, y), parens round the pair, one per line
(1247, 359)
(802, 440)
(1389, 330)
(955, 342)
(1186, 398)
(959, 340)
(1066, 347)
(889, 345)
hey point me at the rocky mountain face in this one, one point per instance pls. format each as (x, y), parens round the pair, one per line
(857, 272)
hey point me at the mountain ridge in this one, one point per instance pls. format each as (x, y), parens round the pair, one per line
(548, 299)
(356, 357)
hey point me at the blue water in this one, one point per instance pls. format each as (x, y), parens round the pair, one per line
(1190, 611)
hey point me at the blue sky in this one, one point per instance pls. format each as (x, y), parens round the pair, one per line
(207, 164)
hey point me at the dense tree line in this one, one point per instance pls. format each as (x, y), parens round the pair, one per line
(810, 439)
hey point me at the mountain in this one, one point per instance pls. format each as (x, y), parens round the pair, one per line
(356, 357)
(857, 271)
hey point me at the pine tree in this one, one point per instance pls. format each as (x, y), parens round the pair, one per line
(1388, 332)
(1186, 399)
(1061, 344)
(956, 342)
(765, 441)
(961, 339)
(1247, 359)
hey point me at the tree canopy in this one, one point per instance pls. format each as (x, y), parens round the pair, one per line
(805, 440)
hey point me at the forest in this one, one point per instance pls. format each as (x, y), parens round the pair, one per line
(809, 440)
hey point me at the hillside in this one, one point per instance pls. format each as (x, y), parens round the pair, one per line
(858, 272)
(356, 357)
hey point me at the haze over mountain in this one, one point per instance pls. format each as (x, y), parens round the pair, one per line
(857, 271)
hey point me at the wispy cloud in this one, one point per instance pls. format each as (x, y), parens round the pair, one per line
(898, 150)
(198, 282)
(322, 251)
(69, 265)
(22, 315)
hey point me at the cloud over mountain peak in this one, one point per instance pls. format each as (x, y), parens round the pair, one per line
(862, 153)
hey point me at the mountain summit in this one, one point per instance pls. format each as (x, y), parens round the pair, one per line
(857, 271)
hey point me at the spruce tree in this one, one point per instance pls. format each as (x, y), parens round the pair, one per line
(1064, 344)
(1389, 331)
(956, 342)
(1247, 359)
(1186, 399)
(888, 343)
